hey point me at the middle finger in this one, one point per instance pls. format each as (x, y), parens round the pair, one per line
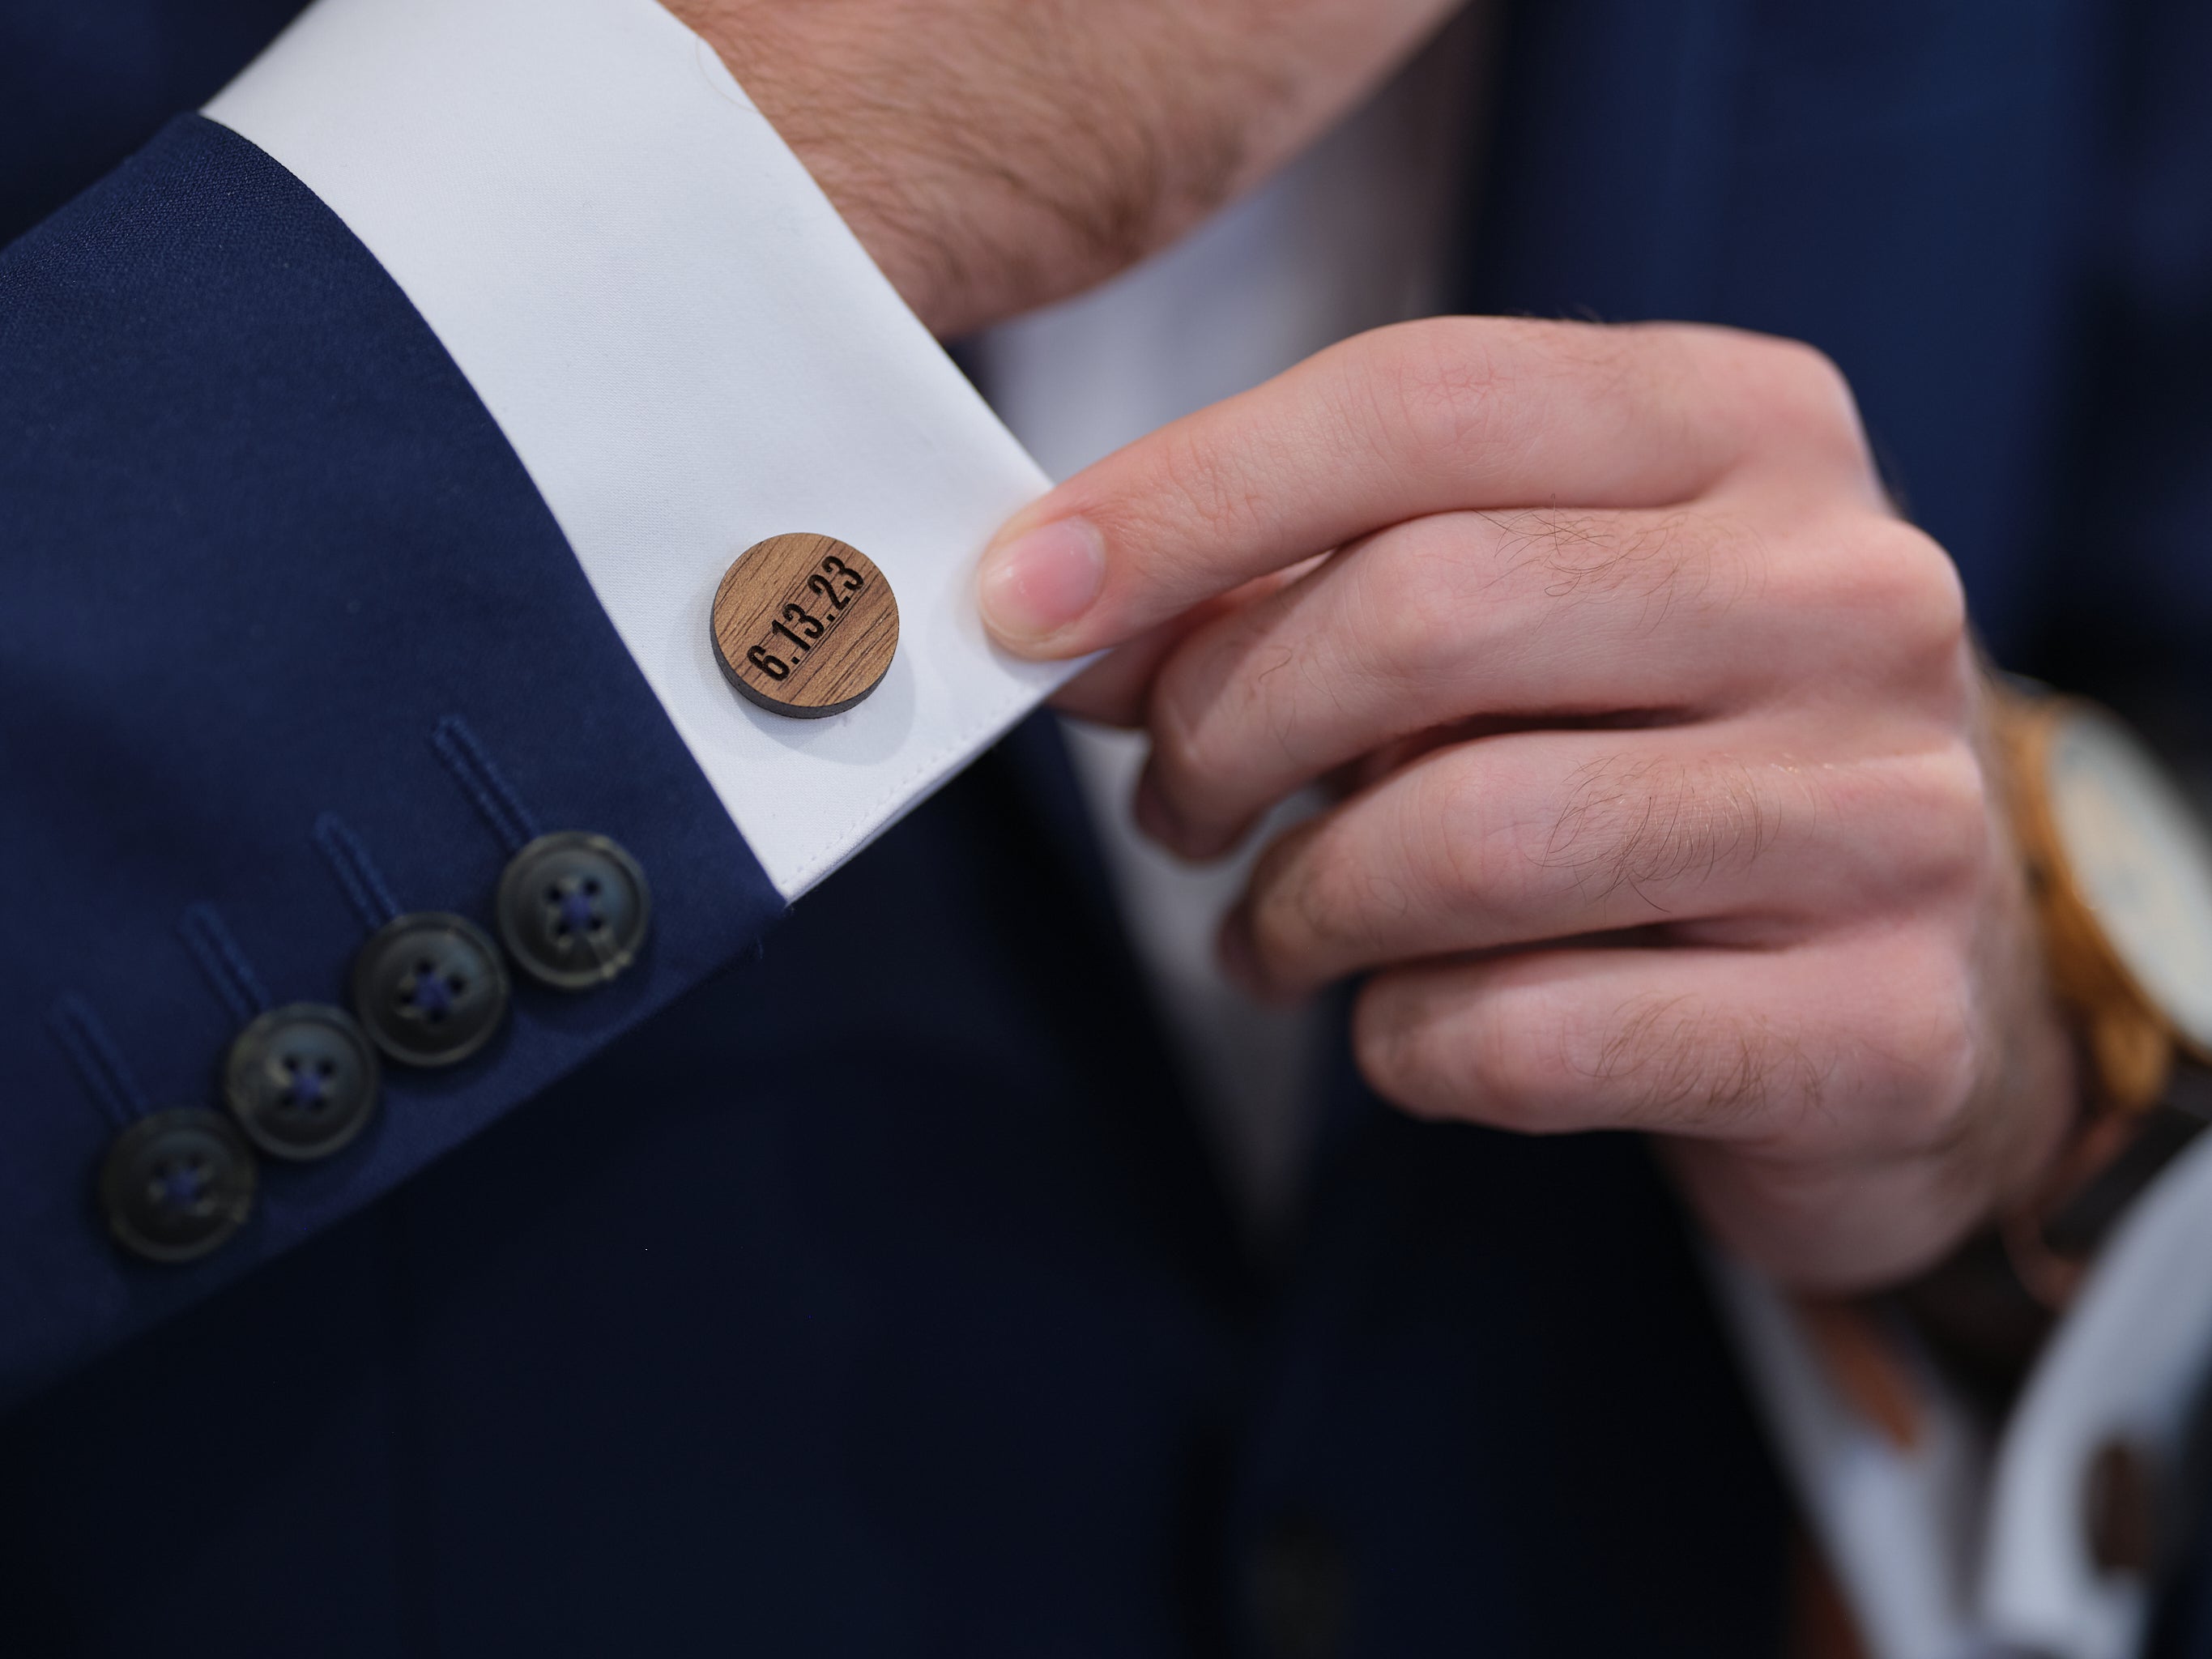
(1536, 614)
(1535, 836)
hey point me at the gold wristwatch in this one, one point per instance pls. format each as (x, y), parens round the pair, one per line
(2119, 869)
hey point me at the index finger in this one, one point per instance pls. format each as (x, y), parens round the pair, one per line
(1448, 414)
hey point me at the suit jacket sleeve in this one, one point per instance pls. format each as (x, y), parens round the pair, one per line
(300, 630)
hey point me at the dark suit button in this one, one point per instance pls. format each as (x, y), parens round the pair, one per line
(1297, 1591)
(430, 989)
(572, 909)
(301, 1080)
(175, 1185)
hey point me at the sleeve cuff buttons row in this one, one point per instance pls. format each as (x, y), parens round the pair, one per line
(429, 989)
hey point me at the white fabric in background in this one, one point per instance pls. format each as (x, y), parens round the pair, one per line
(690, 352)
(1957, 1548)
(1347, 238)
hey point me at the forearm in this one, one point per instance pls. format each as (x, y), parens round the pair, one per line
(997, 155)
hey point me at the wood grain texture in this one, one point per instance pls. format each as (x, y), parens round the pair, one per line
(813, 608)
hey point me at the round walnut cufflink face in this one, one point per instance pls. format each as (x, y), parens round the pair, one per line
(804, 625)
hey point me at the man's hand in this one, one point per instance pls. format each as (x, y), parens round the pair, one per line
(995, 155)
(1668, 806)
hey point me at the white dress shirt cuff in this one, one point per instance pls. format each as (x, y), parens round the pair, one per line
(689, 350)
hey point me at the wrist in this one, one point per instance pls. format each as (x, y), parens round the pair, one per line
(994, 156)
(989, 160)
(780, 57)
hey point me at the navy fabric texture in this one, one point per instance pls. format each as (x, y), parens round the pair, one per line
(1902, 183)
(84, 83)
(259, 540)
(1993, 216)
(2129, 544)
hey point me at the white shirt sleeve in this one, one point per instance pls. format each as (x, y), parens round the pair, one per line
(690, 352)
(1968, 1544)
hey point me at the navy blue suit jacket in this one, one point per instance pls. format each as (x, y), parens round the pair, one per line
(782, 1298)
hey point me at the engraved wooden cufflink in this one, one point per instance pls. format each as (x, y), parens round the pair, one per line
(804, 625)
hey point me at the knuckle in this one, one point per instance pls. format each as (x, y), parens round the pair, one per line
(1466, 856)
(1949, 804)
(1366, 632)
(1913, 827)
(1437, 381)
(1397, 1054)
(1308, 889)
(1811, 374)
(1934, 1041)
(1514, 1049)
(1884, 588)
(1800, 393)
(1224, 710)
(1528, 1084)
(1912, 1035)
(1911, 584)
(1452, 1049)
(1178, 726)
(1430, 641)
